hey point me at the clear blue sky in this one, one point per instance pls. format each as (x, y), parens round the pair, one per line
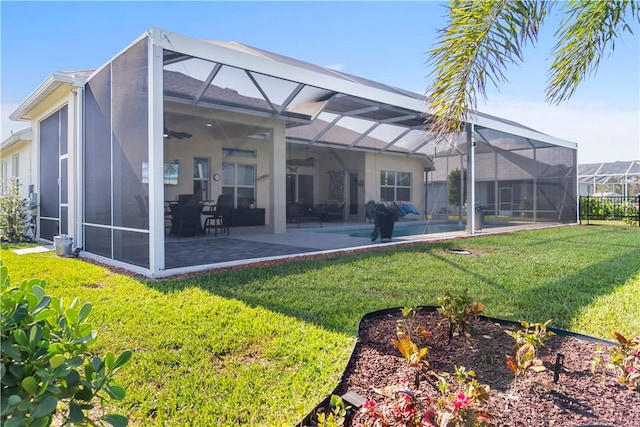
(383, 41)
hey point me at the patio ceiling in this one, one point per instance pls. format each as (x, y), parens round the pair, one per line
(313, 115)
(319, 105)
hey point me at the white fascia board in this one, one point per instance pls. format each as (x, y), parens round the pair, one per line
(14, 138)
(227, 56)
(518, 131)
(47, 87)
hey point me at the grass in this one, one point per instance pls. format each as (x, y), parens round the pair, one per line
(263, 345)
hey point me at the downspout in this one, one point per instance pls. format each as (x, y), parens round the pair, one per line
(78, 86)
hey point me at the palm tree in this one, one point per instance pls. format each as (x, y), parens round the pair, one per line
(483, 37)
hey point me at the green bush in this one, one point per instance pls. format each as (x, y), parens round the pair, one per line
(13, 213)
(46, 369)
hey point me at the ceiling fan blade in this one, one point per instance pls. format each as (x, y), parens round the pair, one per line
(179, 135)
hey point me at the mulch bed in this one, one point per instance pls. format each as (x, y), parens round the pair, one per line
(578, 398)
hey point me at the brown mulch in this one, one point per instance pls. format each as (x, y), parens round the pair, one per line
(578, 398)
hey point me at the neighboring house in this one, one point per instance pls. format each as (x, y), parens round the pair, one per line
(622, 177)
(18, 160)
(171, 118)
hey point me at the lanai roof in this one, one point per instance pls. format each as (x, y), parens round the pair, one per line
(315, 101)
(601, 173)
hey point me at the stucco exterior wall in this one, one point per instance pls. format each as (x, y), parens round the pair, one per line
(375, 163)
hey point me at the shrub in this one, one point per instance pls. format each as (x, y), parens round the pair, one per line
(459, 309)
(46, 369)
(13, 215)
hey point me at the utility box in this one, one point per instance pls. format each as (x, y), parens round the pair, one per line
(62, 245)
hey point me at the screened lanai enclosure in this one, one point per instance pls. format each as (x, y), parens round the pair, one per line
(610, 178)
(191, 146)
(516, 179)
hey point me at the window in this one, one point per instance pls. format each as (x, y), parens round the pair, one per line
(234, 152)
(15, 164)
(201, 177)
(239, 180)
(395, 186)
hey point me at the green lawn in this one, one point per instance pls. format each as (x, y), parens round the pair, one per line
(262, 346)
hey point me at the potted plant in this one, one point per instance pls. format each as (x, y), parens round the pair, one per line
(384, 215)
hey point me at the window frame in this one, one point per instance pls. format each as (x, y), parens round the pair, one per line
(234, 186)
(386, 176)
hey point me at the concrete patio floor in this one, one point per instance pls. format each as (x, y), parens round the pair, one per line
(247, 245)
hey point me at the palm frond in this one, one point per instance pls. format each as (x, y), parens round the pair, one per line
(588, 32)
(481, 39)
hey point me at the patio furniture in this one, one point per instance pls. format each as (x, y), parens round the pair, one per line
(168, 217)
(297, 213)
(241, 217)
(331, 212)
(185, 217)
(218, 215)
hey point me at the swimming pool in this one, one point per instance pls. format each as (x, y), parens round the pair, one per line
(403, 229)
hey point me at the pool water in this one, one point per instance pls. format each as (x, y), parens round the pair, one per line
(403, 230)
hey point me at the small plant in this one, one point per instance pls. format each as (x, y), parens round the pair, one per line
(625, 359)
(535, 334)
(597, 360)
(408, 324)
(401, 407)
(413, 355)
(458, 405)
(336, 417)
(459, 309)
(46, 368)
(524, 361)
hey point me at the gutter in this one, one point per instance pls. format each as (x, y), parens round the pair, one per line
(21, 135)
(46, 88)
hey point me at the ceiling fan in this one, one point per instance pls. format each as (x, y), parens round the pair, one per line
(171, 134)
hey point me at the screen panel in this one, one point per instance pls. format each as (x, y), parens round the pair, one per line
(131, 247)
(97, 167)
(49, 159)
(97, 240)
(48, 228)
(130, 137)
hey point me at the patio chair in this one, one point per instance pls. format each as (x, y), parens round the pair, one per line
(295, 213)
(217, 216)
(333, 212)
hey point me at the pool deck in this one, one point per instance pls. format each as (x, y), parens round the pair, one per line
(249, 245)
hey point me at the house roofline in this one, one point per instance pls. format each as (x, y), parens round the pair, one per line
(15, 137)
(46, 88)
